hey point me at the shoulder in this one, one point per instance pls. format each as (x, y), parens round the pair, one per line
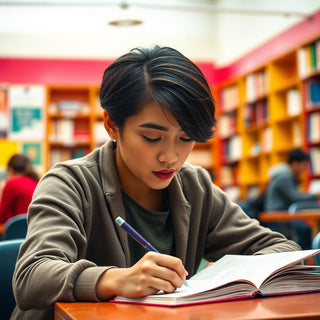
(284, 177)
(280, 172)
(16, 181)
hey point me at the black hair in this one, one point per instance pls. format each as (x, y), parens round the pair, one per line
(297, 155)
(161, 75)
(21, 164)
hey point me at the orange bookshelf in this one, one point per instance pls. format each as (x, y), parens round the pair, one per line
(74, 122)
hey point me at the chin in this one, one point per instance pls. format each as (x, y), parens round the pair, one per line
(161, 185)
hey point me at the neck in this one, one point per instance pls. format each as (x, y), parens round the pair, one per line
(148, 198)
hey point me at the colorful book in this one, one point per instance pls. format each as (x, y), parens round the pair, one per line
(302, 63)
(313, 93)
(318, 54)
(242, 277)
(313, 57)
(293, 99)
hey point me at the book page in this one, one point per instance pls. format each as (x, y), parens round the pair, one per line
(254, 269)
(300, 278)
(231, 276)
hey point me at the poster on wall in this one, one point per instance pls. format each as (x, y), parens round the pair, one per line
(3, 112)
(33, 150)
(26, 105)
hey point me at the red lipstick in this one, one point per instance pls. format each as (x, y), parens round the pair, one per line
(164, 174)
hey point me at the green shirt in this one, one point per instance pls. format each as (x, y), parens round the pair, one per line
(155, 226)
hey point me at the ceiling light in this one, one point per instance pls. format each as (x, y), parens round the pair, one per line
(125, 17)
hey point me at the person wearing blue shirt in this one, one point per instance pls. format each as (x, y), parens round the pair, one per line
(283, 190)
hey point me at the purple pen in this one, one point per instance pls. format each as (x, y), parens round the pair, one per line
(135, 235)
(139, 238)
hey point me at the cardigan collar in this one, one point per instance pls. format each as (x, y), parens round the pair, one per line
(180, 207)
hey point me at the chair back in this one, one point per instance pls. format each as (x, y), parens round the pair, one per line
(9, 250)
(15, 228)
(316, 245)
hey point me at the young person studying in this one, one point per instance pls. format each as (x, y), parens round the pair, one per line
(157, 104)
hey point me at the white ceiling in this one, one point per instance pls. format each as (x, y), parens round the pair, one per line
(207, 30)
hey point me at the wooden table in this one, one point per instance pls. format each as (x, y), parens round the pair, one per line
(301, 306)
(311, 216)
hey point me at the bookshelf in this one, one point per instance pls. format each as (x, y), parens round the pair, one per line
(269, 110)
(309, 70)
(202, 155)
(230, 140)
(73, 121)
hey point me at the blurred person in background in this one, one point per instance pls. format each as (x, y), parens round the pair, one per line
(283, 191)
(17, 190)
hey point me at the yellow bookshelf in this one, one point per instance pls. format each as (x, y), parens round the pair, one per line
(277, 109)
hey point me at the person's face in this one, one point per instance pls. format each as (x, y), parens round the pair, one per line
(151, 148)
(299, 167)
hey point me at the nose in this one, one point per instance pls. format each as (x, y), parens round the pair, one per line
(168, 155)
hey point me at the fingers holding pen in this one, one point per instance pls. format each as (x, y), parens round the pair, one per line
(152, 273)
(155, 272)
(168, 272)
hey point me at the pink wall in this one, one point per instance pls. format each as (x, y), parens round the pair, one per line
(290, 39)
(51, 71)
(63, 71)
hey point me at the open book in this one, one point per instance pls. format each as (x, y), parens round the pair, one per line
(239, 277)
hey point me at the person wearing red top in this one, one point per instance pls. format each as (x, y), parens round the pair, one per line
(16, 192)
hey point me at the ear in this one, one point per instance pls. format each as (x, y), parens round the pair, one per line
(110, 126)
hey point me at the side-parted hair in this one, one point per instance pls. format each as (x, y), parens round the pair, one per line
(161, 75)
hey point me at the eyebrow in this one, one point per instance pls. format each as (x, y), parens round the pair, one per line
(151, 125)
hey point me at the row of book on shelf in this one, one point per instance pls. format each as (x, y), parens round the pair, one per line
(313, 127)
(257, 113)
(232, 149)
(70, 131)
(227, 124)
(232, 146)
(230, 98)
(256, 88)
(257, 85)
(309, 59)
(71, 107)
(60, 154)
(315, 160)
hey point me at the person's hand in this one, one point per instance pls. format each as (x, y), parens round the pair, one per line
(153, 272)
